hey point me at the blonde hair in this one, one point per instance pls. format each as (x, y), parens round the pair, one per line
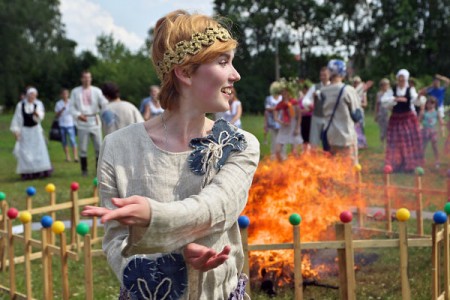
(180, 26)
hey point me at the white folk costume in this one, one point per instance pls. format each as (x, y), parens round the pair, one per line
(88, 102)
(30, 150)
(404, 142)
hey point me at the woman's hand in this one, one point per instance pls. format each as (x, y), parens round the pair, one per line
(202, 258)
(134, 210)
(401, 99)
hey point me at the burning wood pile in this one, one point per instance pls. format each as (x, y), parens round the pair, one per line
(314, 184)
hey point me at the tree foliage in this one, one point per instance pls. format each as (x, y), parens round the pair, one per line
(377, 37)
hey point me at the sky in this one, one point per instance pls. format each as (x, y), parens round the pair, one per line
(128, 21)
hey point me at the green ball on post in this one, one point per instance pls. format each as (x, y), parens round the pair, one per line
(2, 196)
(295, 219)
(420, 171)
(82, 229)
(95, 181)
(447, 208)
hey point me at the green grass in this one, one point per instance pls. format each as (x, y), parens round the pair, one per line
(379, 280)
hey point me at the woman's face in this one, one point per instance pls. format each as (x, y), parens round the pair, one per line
(401, 80)
(212, 83)
(31, 97)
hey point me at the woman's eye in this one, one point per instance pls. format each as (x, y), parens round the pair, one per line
(223, 62)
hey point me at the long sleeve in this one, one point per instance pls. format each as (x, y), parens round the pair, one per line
(74, 109)
(115, 233)
(388, 99)
(308, 99)
(40, 112)
(214, 210)
(415, 100)
(17, 120)
(352, 99)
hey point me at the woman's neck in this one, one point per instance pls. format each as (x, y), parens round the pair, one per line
(182, 126)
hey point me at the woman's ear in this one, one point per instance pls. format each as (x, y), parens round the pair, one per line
(183, 75)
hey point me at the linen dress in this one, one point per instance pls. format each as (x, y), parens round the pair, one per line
(31, 149)
(185, 208)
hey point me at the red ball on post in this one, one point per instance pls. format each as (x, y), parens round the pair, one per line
(387, 169)
(346, 216)
(12, 213)
(74, 186)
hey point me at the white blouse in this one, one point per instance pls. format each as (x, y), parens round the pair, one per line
(17, 121)
(388, 99)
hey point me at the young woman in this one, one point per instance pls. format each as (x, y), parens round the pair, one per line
(173, 187)
(30, 149)
(404, 142)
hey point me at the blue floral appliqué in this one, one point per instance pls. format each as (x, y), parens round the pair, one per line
(163, 278)
(215, 149)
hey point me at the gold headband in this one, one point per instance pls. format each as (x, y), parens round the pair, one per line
(192, 47)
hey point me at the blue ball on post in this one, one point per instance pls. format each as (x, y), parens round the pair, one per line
(243, 222)
(46, 221)
(31, 191)
(440, 217)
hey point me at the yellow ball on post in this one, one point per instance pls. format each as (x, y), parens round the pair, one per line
(357, 167)
(25, 217)
(403, 214)
(50, 188)
(58, 227)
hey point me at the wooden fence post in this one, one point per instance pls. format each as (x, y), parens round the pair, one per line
(25, 218)
(50, 188)
(47, 234)
(11, 265)
(244, 222)
(437, 236)
(88, 278)
(3, 239)
(387, 194)
(95, 219)
(74, 238)
(419, 200)
(295, 221)
(447, 257)
(403, 216)
(347, 282)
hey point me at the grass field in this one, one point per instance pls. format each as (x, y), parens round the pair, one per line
(379, 280)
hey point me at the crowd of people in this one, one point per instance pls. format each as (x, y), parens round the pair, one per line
(330, 115)
(86, 112)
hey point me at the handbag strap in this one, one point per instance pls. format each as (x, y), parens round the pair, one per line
(335, 107)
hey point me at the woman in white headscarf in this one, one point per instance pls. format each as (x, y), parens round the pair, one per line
(404, 142)
(30, 149)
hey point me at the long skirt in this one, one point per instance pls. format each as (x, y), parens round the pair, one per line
(31, 153)
(404, 142)
(362, 141)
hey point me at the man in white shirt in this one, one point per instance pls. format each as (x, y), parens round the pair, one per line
(313, 99)
(86, 102)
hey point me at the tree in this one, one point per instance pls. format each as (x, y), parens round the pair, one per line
(34, 49)
(132, 72)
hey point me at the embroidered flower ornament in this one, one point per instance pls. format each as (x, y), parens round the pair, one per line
(192, 47)
(215, 149)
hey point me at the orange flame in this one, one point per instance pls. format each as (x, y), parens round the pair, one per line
(314, 185)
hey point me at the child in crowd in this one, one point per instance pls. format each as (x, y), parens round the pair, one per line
(429, 119)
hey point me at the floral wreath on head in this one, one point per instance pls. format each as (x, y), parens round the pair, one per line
(198, 41)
